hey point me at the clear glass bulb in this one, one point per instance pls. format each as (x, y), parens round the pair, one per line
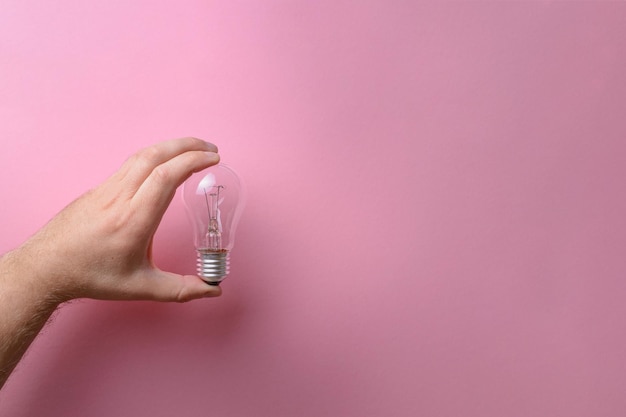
(214, 199)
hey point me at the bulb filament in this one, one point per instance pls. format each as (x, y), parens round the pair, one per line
(214, 233)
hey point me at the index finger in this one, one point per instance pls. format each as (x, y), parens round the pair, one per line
(140, 165)
(155, 194)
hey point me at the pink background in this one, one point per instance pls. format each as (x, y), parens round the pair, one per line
(436, 220)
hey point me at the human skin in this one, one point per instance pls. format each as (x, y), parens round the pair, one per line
(100, 246)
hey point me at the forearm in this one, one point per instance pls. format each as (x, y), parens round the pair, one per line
(25, 307)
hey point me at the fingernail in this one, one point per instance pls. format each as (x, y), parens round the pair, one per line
(213, 156)
(213, 295)
(211, 146)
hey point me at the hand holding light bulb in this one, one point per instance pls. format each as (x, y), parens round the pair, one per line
(100, 246)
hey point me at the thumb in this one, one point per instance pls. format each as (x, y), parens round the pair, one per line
(158, 285)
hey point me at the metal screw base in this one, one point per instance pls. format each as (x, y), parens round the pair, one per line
(213, 266)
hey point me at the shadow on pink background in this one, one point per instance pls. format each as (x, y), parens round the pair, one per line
(435, 224)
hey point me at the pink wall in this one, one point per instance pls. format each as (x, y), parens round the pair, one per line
(436, 219)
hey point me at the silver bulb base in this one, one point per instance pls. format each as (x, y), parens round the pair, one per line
(213, 266)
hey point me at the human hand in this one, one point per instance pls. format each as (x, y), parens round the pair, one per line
(100, 246)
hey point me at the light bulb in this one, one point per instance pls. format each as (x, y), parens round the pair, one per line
(214, 199)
